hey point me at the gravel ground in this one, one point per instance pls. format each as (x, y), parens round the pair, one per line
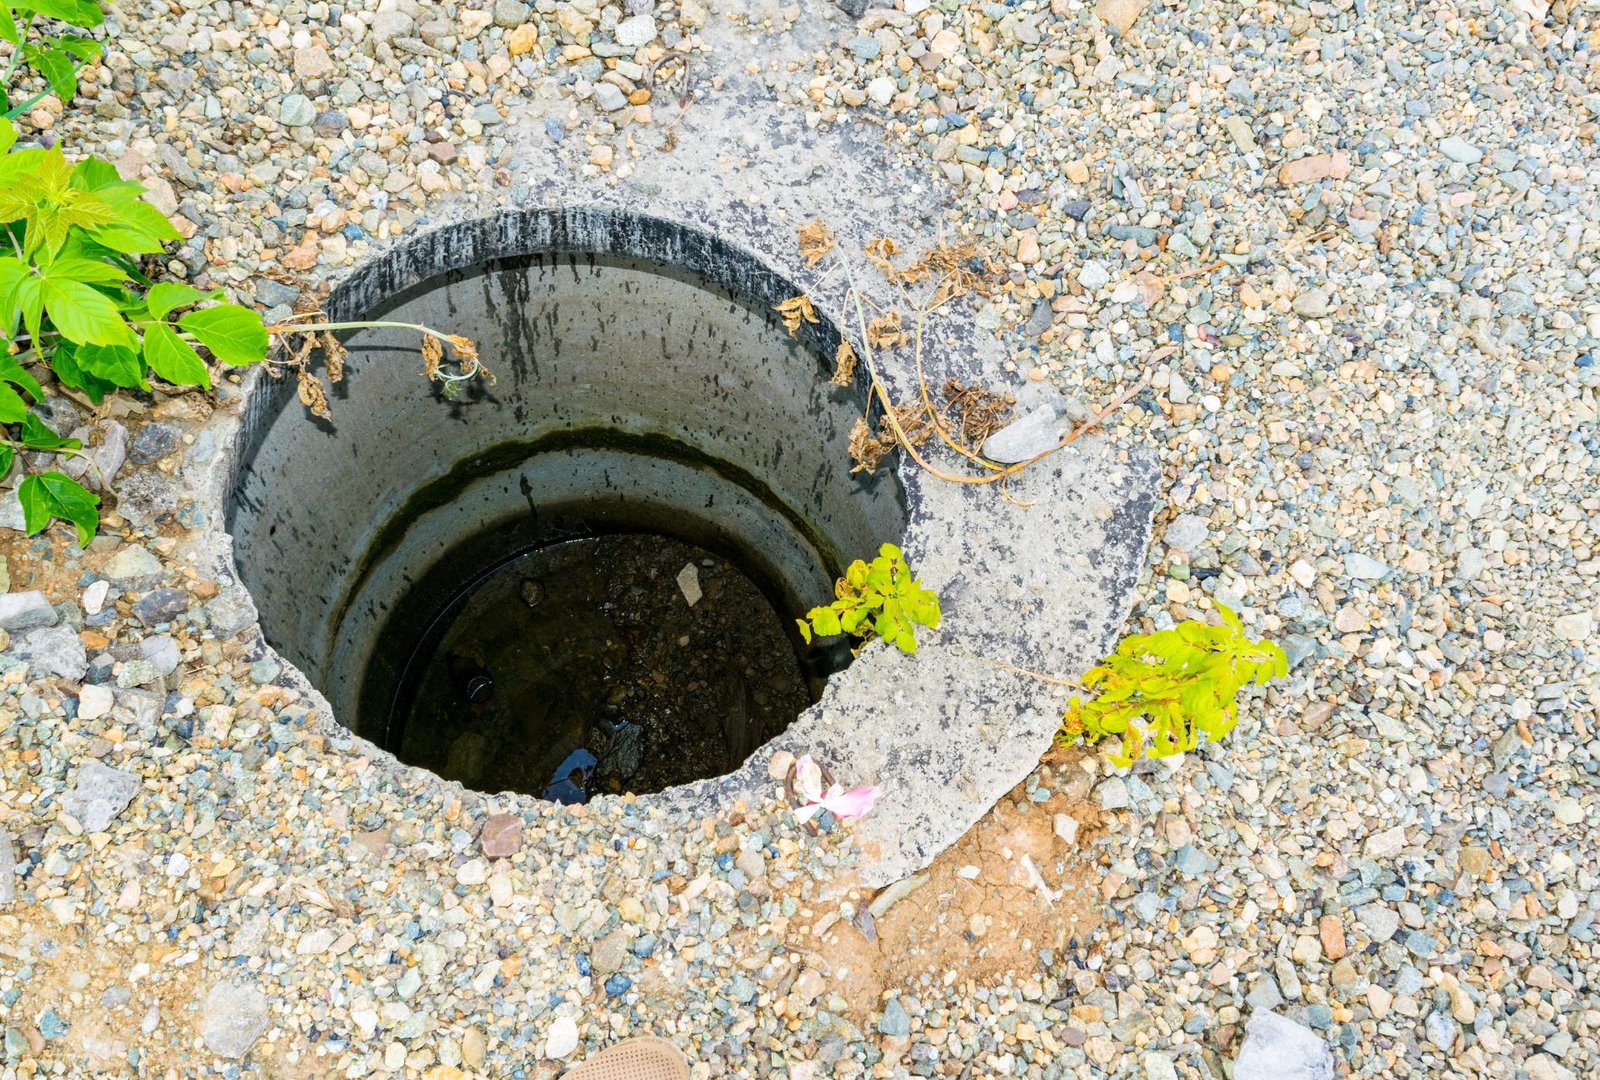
(1354, 247)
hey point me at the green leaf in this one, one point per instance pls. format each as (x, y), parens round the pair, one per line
(9, 32)
(234, 334)
(8, 130)
(83, 48)
(116, 365)
(84, 315)
(85, 14)
(56, 66)
(825, 620)
(55, 495)
(7, 456)
(165, 296)
(805, 627)
(137, 228)
(76, 268)
(12, 407)
(13, 372)
(38, 437)
(64, 362)
(97, 175)
(170, 357)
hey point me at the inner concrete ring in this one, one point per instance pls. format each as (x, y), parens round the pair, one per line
(328, 530)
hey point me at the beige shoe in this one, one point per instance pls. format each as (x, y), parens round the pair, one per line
(644, 1057)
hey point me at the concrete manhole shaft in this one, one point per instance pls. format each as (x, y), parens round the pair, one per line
(644, 388)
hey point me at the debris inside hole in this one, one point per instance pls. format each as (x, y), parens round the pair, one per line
(611, 663)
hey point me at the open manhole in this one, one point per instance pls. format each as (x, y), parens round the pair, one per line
(582, 578)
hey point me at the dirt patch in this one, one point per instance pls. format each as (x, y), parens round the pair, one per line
(1009, 888)
(98, 1000)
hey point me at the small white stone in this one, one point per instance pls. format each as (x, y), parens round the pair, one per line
(473, 872)
(94, 701)
(1067, 828)
(689, 584)
(881, 90)
(636, 31)
(562, 1039)
(94, 597)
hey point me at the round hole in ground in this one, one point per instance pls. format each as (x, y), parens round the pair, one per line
(583, 577)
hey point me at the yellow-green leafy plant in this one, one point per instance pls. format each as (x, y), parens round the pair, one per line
(876, 599)
(1162, 693)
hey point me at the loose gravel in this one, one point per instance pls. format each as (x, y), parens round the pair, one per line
(1353, 245)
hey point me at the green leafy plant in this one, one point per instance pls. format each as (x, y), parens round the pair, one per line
(876, 599)
(57, 57)
(1164, 692)
(76, 302)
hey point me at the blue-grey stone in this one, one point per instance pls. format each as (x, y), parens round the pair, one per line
(895, 1021)
(26, 611)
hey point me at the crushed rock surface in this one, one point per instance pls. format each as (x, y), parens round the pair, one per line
(1354, 247)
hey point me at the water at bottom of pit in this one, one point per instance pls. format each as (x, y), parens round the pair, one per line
(581, 668)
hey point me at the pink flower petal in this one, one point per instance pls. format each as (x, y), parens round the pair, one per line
(851, 804)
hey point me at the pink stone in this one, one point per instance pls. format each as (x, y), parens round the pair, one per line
(501, 836)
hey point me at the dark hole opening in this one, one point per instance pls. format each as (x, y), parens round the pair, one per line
(581, 667)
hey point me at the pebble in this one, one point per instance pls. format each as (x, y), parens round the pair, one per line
(26, 611)
(501, 836)
(1277, 1048)
(895, 1021)
(562, 1039)
(100, 794)
(232, 1017)
(1032, 434)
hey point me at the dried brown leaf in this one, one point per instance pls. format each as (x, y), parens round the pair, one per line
(333, 352)
(879, 250)
(844, 364)
(432, 353)
(795, 310)
(885, 331)
(313, 396)
(815, 242)
(983, 412)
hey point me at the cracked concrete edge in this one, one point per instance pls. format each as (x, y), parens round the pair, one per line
(1047, 588)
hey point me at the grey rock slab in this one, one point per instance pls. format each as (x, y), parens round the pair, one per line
(1277, 1048)
(54, 649)
(1381, 921)
(162, 652)
(232, 1017)
(26, 611)
(1030, 436)
(1364, 567)
(99, 795)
